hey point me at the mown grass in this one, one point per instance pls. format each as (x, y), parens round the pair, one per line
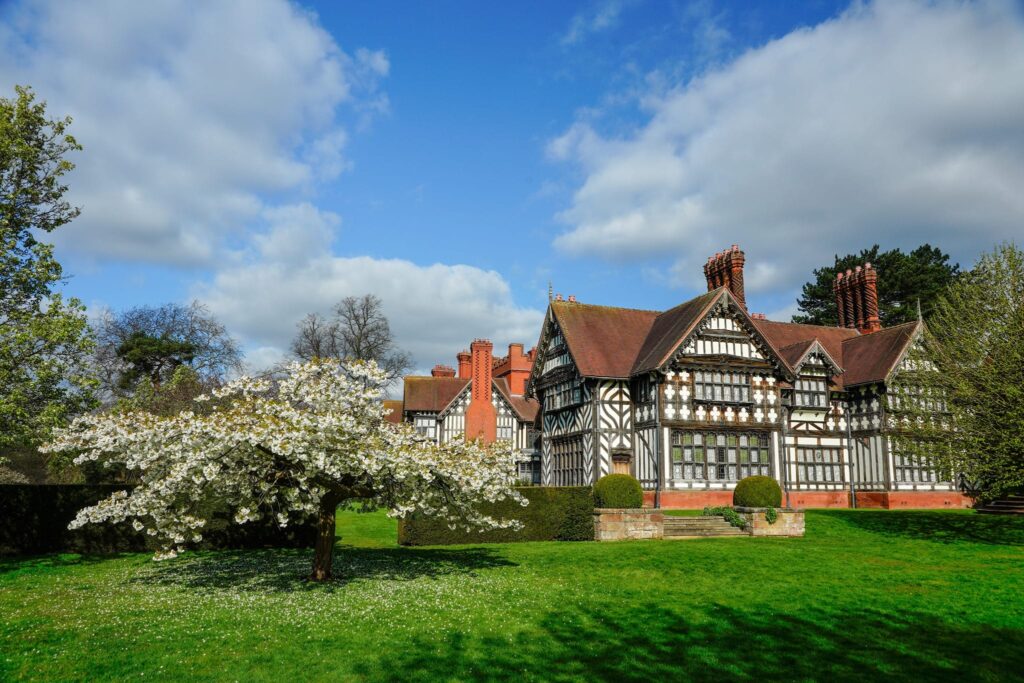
(865, 595)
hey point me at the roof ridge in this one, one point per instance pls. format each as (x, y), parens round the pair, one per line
(821, 327)
(910, 323)
(617, 308)
(691, 300)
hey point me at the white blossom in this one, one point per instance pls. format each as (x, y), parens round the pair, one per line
(268, 449)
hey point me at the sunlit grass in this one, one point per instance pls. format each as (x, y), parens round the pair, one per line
(866, 594)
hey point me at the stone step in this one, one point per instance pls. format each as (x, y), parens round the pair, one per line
(700, 527)
(703, 533)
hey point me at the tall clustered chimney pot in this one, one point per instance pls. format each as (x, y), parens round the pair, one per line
(442, 371)
(725, 269)
(481, 418)
(856, 294)
(464, 363)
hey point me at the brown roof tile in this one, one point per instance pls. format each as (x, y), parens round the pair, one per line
(603, 341)
(871, 357)
(784, 335)
(670, 328)
(431, 394)
(526, 408)
(396, 411)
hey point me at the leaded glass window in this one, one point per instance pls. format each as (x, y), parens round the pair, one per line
(819, 465)
(721, 386)
(811, 392)
(719, 456)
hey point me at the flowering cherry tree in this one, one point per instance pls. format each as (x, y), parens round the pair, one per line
(287, 448)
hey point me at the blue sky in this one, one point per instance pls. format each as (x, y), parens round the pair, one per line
(270, 157)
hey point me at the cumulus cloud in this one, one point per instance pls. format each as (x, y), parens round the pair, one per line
(189, 115)
(896, 122)
(434, 310)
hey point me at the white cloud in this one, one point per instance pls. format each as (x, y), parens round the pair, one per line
(601, 16)
(434, 310)
(897, 122)
(189, 114)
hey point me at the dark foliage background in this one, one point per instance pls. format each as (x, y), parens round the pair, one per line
(554, 514)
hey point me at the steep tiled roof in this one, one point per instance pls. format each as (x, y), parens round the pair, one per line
(526, 408)
(871, 357)
(396, 411)
(670, 328)
(784, 335)
(603, 341)
(794, 353)
(431, 394)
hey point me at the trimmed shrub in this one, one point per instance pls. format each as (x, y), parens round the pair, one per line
(618, 491)
(34, 520)
(555, 513)
(757, 492)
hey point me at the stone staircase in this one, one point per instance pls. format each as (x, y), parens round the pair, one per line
(1008, 505)
(699, 527)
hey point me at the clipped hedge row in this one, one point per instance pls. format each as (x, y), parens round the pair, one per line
(34, 520)
(555, 513)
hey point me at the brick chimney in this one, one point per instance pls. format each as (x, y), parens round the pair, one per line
(442, 371)
(515, 368)
(856, 293)
(464, 364)
(725, 269)
(481, 418)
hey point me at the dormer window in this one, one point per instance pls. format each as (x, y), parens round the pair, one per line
(810, 392)
(721, 387)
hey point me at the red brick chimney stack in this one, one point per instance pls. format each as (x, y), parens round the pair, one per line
(481, 418)
(442, 371)
(725, 269)
(856, 293)
(464, 364)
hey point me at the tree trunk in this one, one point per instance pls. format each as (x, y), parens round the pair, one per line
(323, 556)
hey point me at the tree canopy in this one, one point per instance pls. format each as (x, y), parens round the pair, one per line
(44, 340)
(151, 342)
(358, 330)
(302, 444)
(903, 281)
(959, 402)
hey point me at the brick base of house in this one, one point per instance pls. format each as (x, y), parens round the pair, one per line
(885, 500)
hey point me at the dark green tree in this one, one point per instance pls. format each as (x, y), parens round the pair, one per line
(44, 339)
(903, 280)
(152, 358)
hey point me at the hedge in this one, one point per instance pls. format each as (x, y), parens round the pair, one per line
(34, 520)
(618, 491)
(554, 514)
(757, 492)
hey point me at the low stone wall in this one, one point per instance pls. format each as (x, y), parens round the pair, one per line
(620, 524)
(788, 523)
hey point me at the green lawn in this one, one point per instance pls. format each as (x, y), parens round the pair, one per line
(866, 594)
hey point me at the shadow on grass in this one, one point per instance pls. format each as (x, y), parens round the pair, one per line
(942, 526)
(716, 643)
(286, 570)
(43, 563)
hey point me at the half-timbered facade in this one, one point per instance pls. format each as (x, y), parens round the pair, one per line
(484, 401)
(693, 399)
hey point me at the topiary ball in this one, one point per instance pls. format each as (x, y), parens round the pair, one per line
(618, 491)
(757, 492)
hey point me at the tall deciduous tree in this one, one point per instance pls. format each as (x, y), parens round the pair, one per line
(903, 281)
(358, 330)
(153, 341)
(44, 339)
(960, 404)
(312, 440)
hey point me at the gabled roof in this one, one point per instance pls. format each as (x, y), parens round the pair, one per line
(872, 357)
(431, 394)
(670, 329)
(603, 340)
(395, 407)
(526, 409)
(783, 335)
(797, 354)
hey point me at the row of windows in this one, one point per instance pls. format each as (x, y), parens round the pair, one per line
(731, 387)
(567, 463)
(810, 392)
(563, 394)
(924, 398)
(819, 465)
(717, 456)
(909, 469)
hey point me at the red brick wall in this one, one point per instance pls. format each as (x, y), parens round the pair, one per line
(888, 500)
(689, 500)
